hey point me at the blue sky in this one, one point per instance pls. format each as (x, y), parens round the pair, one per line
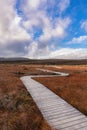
(43, 28)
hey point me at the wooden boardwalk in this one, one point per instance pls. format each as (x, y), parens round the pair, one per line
(58, 113)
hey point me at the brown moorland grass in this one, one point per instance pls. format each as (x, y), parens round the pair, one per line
(73, 88)
(17, 109)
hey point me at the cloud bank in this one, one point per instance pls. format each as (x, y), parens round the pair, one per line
(68, 53)
(79, 40)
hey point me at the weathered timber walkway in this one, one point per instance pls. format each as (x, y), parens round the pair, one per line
(58, 113)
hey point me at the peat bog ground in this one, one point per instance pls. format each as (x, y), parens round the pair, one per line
(17, 108)
(72, 88)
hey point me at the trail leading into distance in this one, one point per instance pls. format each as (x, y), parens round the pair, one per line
(58, 113)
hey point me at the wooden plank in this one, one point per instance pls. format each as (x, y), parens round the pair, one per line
(59, 114)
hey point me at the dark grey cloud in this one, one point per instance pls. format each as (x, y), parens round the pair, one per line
(18, 46)
(14, 48)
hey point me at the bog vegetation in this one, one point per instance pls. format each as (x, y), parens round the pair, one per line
(17, 108)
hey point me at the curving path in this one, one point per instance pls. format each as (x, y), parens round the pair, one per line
(58, 113)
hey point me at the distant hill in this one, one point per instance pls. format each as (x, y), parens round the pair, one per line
(13, 59)
(44, 61)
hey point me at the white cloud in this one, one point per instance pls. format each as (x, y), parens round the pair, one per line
(50, 28)
(84, 25)
(13, 38)
(63, 53)
(78, 40)
(33, 4)
(10, 29)
(59, 31)
(39, 18)
(16, 32)
(63, 4)
(69, 53)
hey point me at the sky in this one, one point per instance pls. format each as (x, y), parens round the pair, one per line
(43, 29)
